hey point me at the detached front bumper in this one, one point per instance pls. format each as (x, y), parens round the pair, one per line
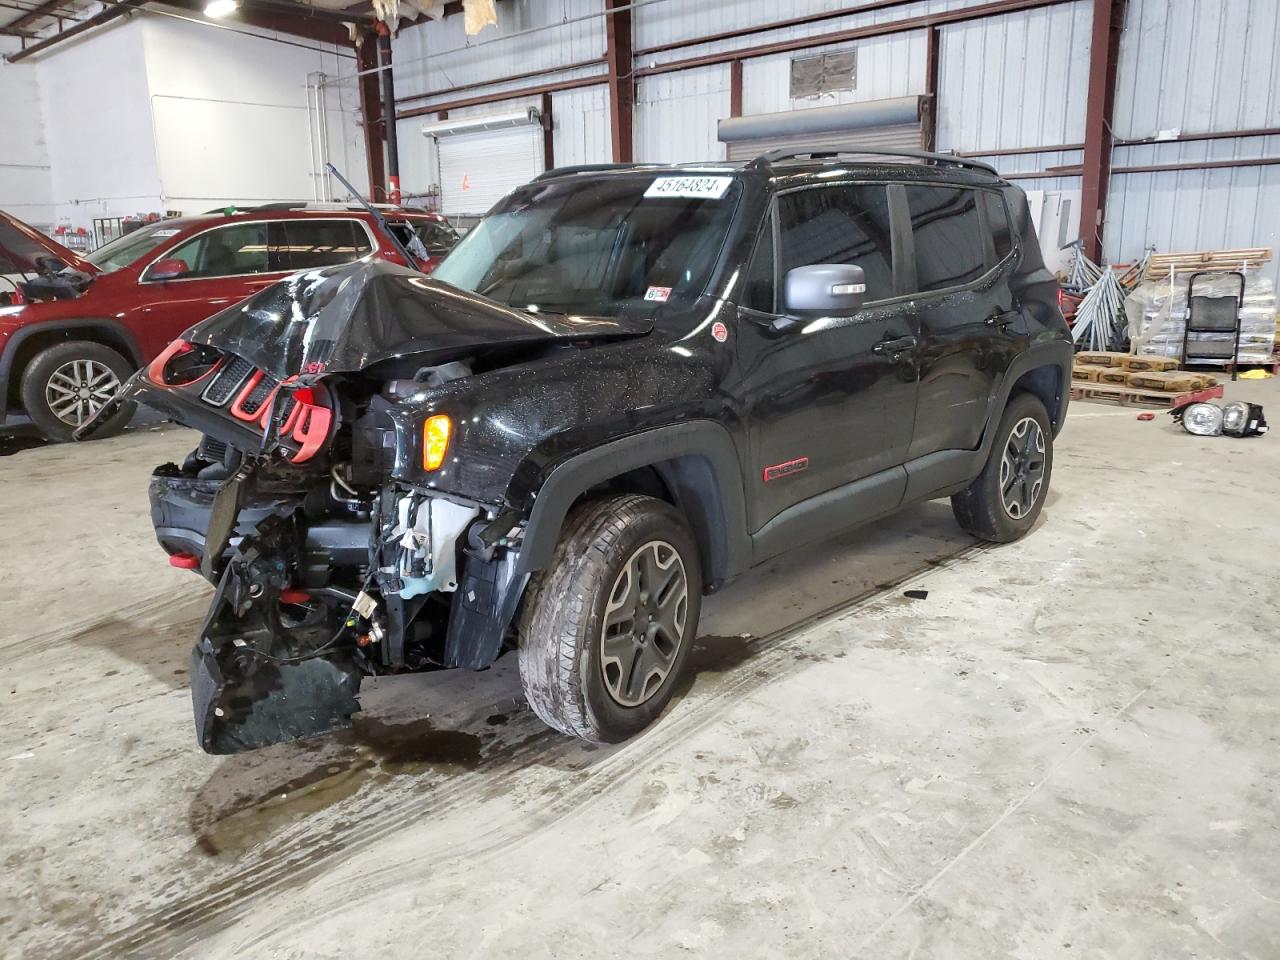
(254, 704)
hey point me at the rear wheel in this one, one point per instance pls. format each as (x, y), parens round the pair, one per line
(64, 386)
(605, 630)
(1002, 504)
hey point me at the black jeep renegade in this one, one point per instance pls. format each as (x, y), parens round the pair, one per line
(624, 388)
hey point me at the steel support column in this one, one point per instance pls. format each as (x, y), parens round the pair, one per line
(932, 58)
(622, 85)
(1104, 54)
(389, 113)
(735, 88)
(374, 120)
(548, 137)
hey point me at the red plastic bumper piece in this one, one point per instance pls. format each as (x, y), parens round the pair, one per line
(184, 561)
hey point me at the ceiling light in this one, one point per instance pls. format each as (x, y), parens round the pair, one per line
(221, 8)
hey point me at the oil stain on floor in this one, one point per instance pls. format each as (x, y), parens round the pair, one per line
(372, 751)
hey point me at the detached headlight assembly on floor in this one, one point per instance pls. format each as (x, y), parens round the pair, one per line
(1202, 419)
(1243, 419)
(1235, 419)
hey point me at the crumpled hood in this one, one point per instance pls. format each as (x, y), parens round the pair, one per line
(346, 318)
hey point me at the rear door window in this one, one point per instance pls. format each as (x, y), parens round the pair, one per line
(847, 223)
(950, 245)
(309, 244)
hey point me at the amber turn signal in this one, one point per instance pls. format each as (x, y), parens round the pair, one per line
(435, 440)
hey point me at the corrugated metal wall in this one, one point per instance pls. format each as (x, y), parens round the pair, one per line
(1198, 66)
(1191, 66)
(531, 35)
(1008, 82)
(892, 66)
(581, 126)
(1195, 209)
(676, 115)
(1017, 80)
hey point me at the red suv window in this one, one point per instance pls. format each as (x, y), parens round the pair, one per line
(309, 244)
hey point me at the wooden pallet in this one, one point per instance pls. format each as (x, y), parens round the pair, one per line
(1160, 264)
(1140, 396)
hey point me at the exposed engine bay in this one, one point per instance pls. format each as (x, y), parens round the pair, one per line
(313, 501)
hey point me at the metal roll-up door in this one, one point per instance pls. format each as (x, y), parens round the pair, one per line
(480, 160)
(894, 124)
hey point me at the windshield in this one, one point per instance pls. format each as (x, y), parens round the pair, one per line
(599, 246)
(125, 250)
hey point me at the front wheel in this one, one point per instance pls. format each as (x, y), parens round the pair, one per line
(1002, 504)
(605, 629)
(64, 386)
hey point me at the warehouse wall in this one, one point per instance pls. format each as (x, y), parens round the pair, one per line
(1189, 67)
(230, 114)
(26, 188)
(153, 114)
(98, 127)
(1012, 82)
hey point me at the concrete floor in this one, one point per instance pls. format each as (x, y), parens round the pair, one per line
(1069, 749)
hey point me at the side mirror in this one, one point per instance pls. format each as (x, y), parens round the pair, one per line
(167, 270)
(824, 289)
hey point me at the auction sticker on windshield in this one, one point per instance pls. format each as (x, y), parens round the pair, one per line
(705, 188)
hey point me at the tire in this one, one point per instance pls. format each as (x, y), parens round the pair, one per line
(578, 626)
(52, 375)
(1026, 436)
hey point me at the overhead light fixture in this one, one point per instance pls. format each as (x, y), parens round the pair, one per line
(221, 8)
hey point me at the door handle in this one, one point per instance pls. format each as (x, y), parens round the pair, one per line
(895, 347)
(1002, 318)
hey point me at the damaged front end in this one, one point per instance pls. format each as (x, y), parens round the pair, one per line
(310, 505)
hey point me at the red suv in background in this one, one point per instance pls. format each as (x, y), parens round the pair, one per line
(62, 358)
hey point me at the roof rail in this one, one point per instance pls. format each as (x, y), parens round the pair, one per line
(593, 168)
(318, 206)
(775, 156)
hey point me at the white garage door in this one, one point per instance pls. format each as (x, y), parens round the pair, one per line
(477, 169)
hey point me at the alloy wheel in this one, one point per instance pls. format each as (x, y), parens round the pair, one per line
(1022, 468)
(79, 389)
(644, 623)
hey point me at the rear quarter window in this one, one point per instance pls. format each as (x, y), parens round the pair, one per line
(998, 224)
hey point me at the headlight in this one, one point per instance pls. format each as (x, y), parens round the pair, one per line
(1235, 416)
(1241, 419)
(1203, 419)
(435, 440)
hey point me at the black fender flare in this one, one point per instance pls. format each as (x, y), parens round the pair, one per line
(698, 461)
(114, 328)
(1047, 354)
